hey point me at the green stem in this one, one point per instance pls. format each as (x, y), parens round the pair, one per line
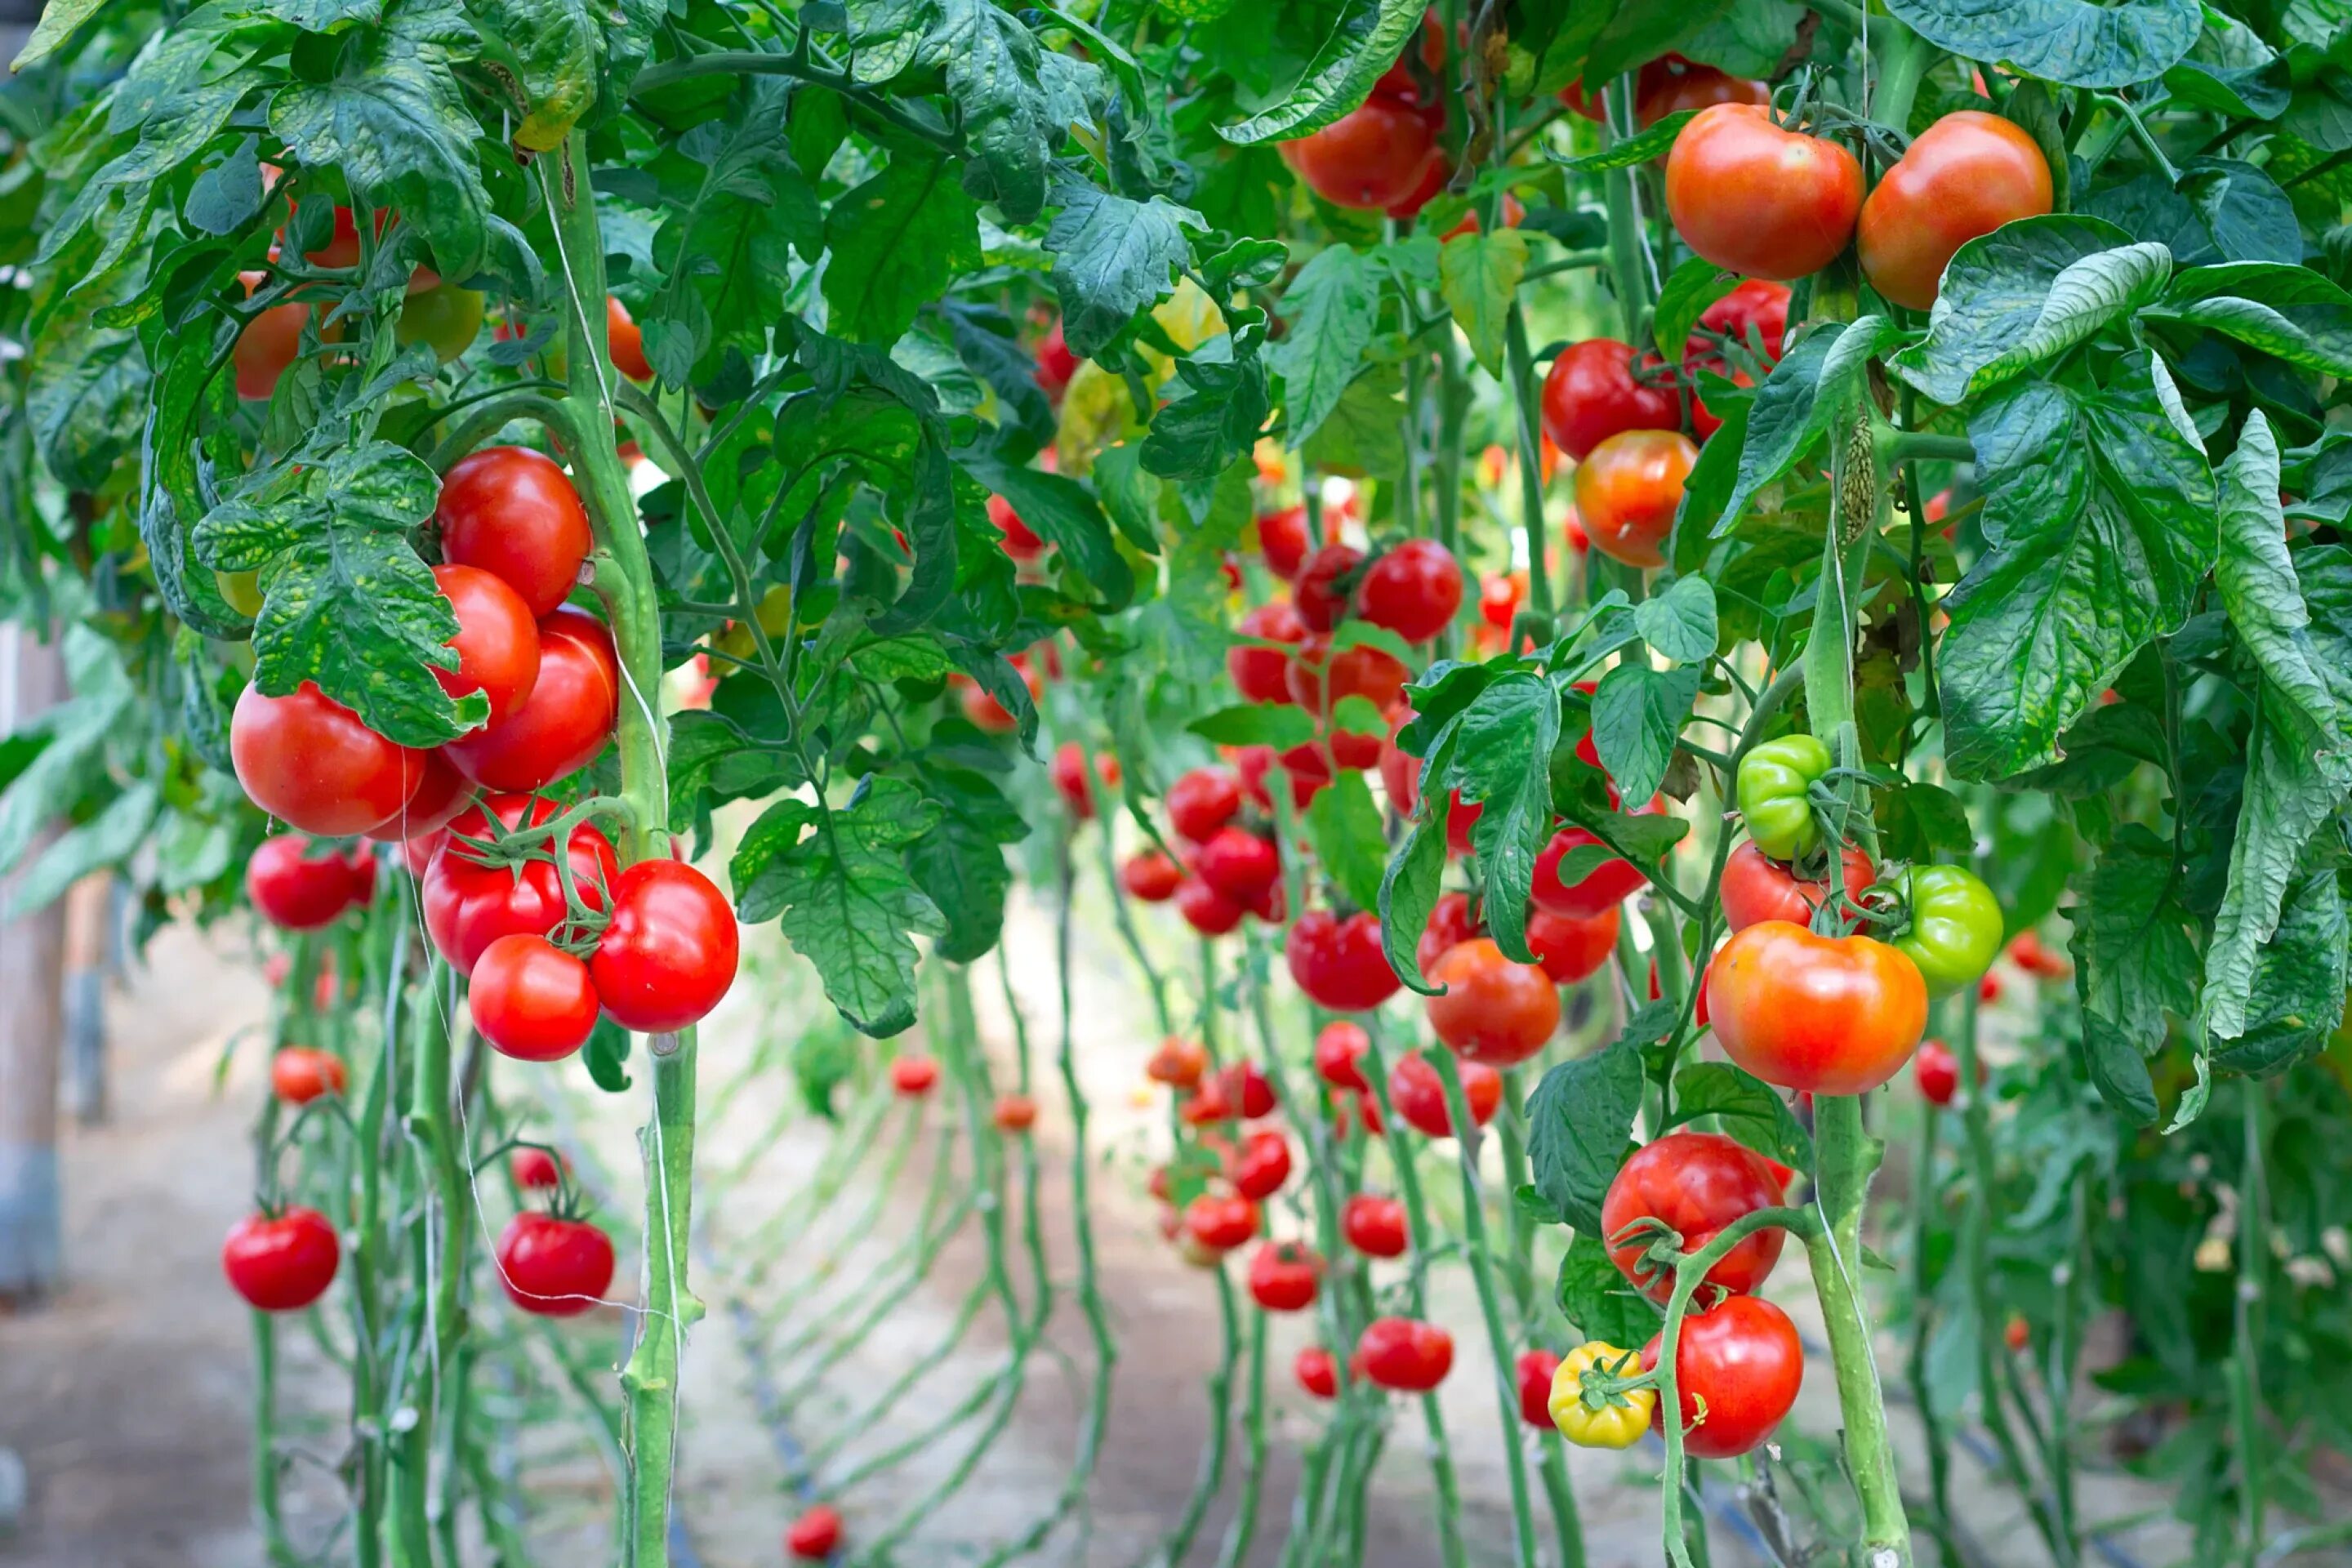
(1628, 269)
(1923, 1320)
(2246, 1327)
(1209, 1479)
(1903, 60)
(1846, 1157)
(1234, 1549)
(1526, 399)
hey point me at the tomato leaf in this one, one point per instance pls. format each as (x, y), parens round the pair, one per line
(2076, 42)
(2290, 312)
(837, 881)
(1579, 1121)
(1679, 624)
(1112, 256)
(959, 864)
(1478, 274)
(2024, 294)
(1693, 287)
(2255, 575)
(2136, 962)
(2099, 522)
(896, 242)
(1198, 436)
(1503, 760)
(2221, 210)
(1821, 376)
(1653, 142)
(1331, 308)
(1598, 1298)
(1278, 724)
(1638, 715)
(1416, 870)
(1344, 826)
(1064, 513)
(1363, 42)
(1364, 433)
(1747, 1109)
(50, 782)
(108, 838)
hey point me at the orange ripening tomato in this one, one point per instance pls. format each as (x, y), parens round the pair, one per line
(1963, 176)
(1756, 197)
(1825, 1014)
(1491, 1010)
(1627, 490)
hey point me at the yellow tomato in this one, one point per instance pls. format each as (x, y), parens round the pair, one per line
(1601, 1417)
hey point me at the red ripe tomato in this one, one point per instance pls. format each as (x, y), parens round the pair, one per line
(1754, 197)
(1418, 1094)
(626, 342)
(1055, 362)
(1321, 594)
(2016, 1333)
(1964, 176)
(1499, 599)
(1412, 590)
(1374, 1226)
(913, 1075)
(1150, 875)
(268, 343)
(1492, 1010)
(1321, 679)
(1404, 1354)
(531, 1000)
(566, 720)
(669, 953)
(1670, 85)
(816, 1535)
(1593, 392)
(1068, 769)
(1337, 1050)
(1285, 1276)
(1569, 949)
(281, 1263)
(1826, 1015)
(1758, 888)
(342, 247)
(1989, 988)
(295, 891)
(511, 512)
(1209, 1103)
(1351, 750)
(1019, 542)
(300, 1074)
(1282, 539)
(1369, 159)
(1937, 1072)
(1308, 769)
(1627, 490)
(442, 792)
(983, 712)
(1263, 1166)
(1339, 962)
(1737, 1367)
(2035, 956)
(1597, 891)
(1205, 910)
(555, 1267)
(497, 640)
(1449, 927)
(1179, 1063)
(1219, 1222)
(307, 760)
(1755, 303)
(1249, 1090)
(1695, 1183)
(1534, 1370)
(1015, 1113)
(1399, 83)
(1202, 801)
(469, 902)
(1263, 674)
(1237, 864)
(1317, 1372)
(536, 1168)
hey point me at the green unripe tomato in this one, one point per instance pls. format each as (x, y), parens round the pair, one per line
(1773, 784)
(1956, 926)
(448, 317)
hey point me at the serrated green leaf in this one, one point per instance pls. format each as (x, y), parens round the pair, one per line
(1679, 624)
(1478, 275)
(1578, 1120)
(1692, 287)
(1749, 1109)
(1112, 256)
(1502, 759)
(1364, 41)
(1595, 1296)
(1638, 715)
(898, 240)
(1331, 308)
(1064, 513)
(1281, 725)
(1821, 377)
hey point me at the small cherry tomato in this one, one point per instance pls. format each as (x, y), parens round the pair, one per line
(1405, 1355)
(1962, 177)
(1263, 674)
(1202, 801)
(1694, 1184)
(1326, 584)
(1412, 590)
(1238, 864)
(1737, 1367)
(1418, 1094)
(531, 1000)
(1015, 1113)
(2016, 1333)
(668, 953)
(1534, 1370)
(555, 1267)
(1263, 1164)
(1179, 1063)
(913, 1075)
(1600, 388)
(1937, 1072)
(1627, 490)
(1491, 1010)
(307, 760)
(1317, 1372)
(1285, 1276)
(1339, 963)
(1337, 1051)
(1220, 1222)
(1068, 770)
(1150, 875)
(816, 1535)
(1205, 910)
(1374, 1226)
(511, 512)
(1055, 362)
(300, 1074)
(281, 1263)
(536, 1168)
(1753, 196)
(1250, 1090)
(1826, 1015)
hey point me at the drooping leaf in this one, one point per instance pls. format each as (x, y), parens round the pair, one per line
(2291, 312)
(1502, 759)
(1679, 624)
(1344, 826)
(1638, 715)
(1819, 378)
(1595, 1296)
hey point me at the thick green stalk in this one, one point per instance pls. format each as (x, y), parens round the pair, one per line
(1923, 1320)
(1209, 1479)
(623, 581)
(1235, 1546)
(1903, 60)
(1527, 402)
(2246, 1330)
(1847, 1156)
